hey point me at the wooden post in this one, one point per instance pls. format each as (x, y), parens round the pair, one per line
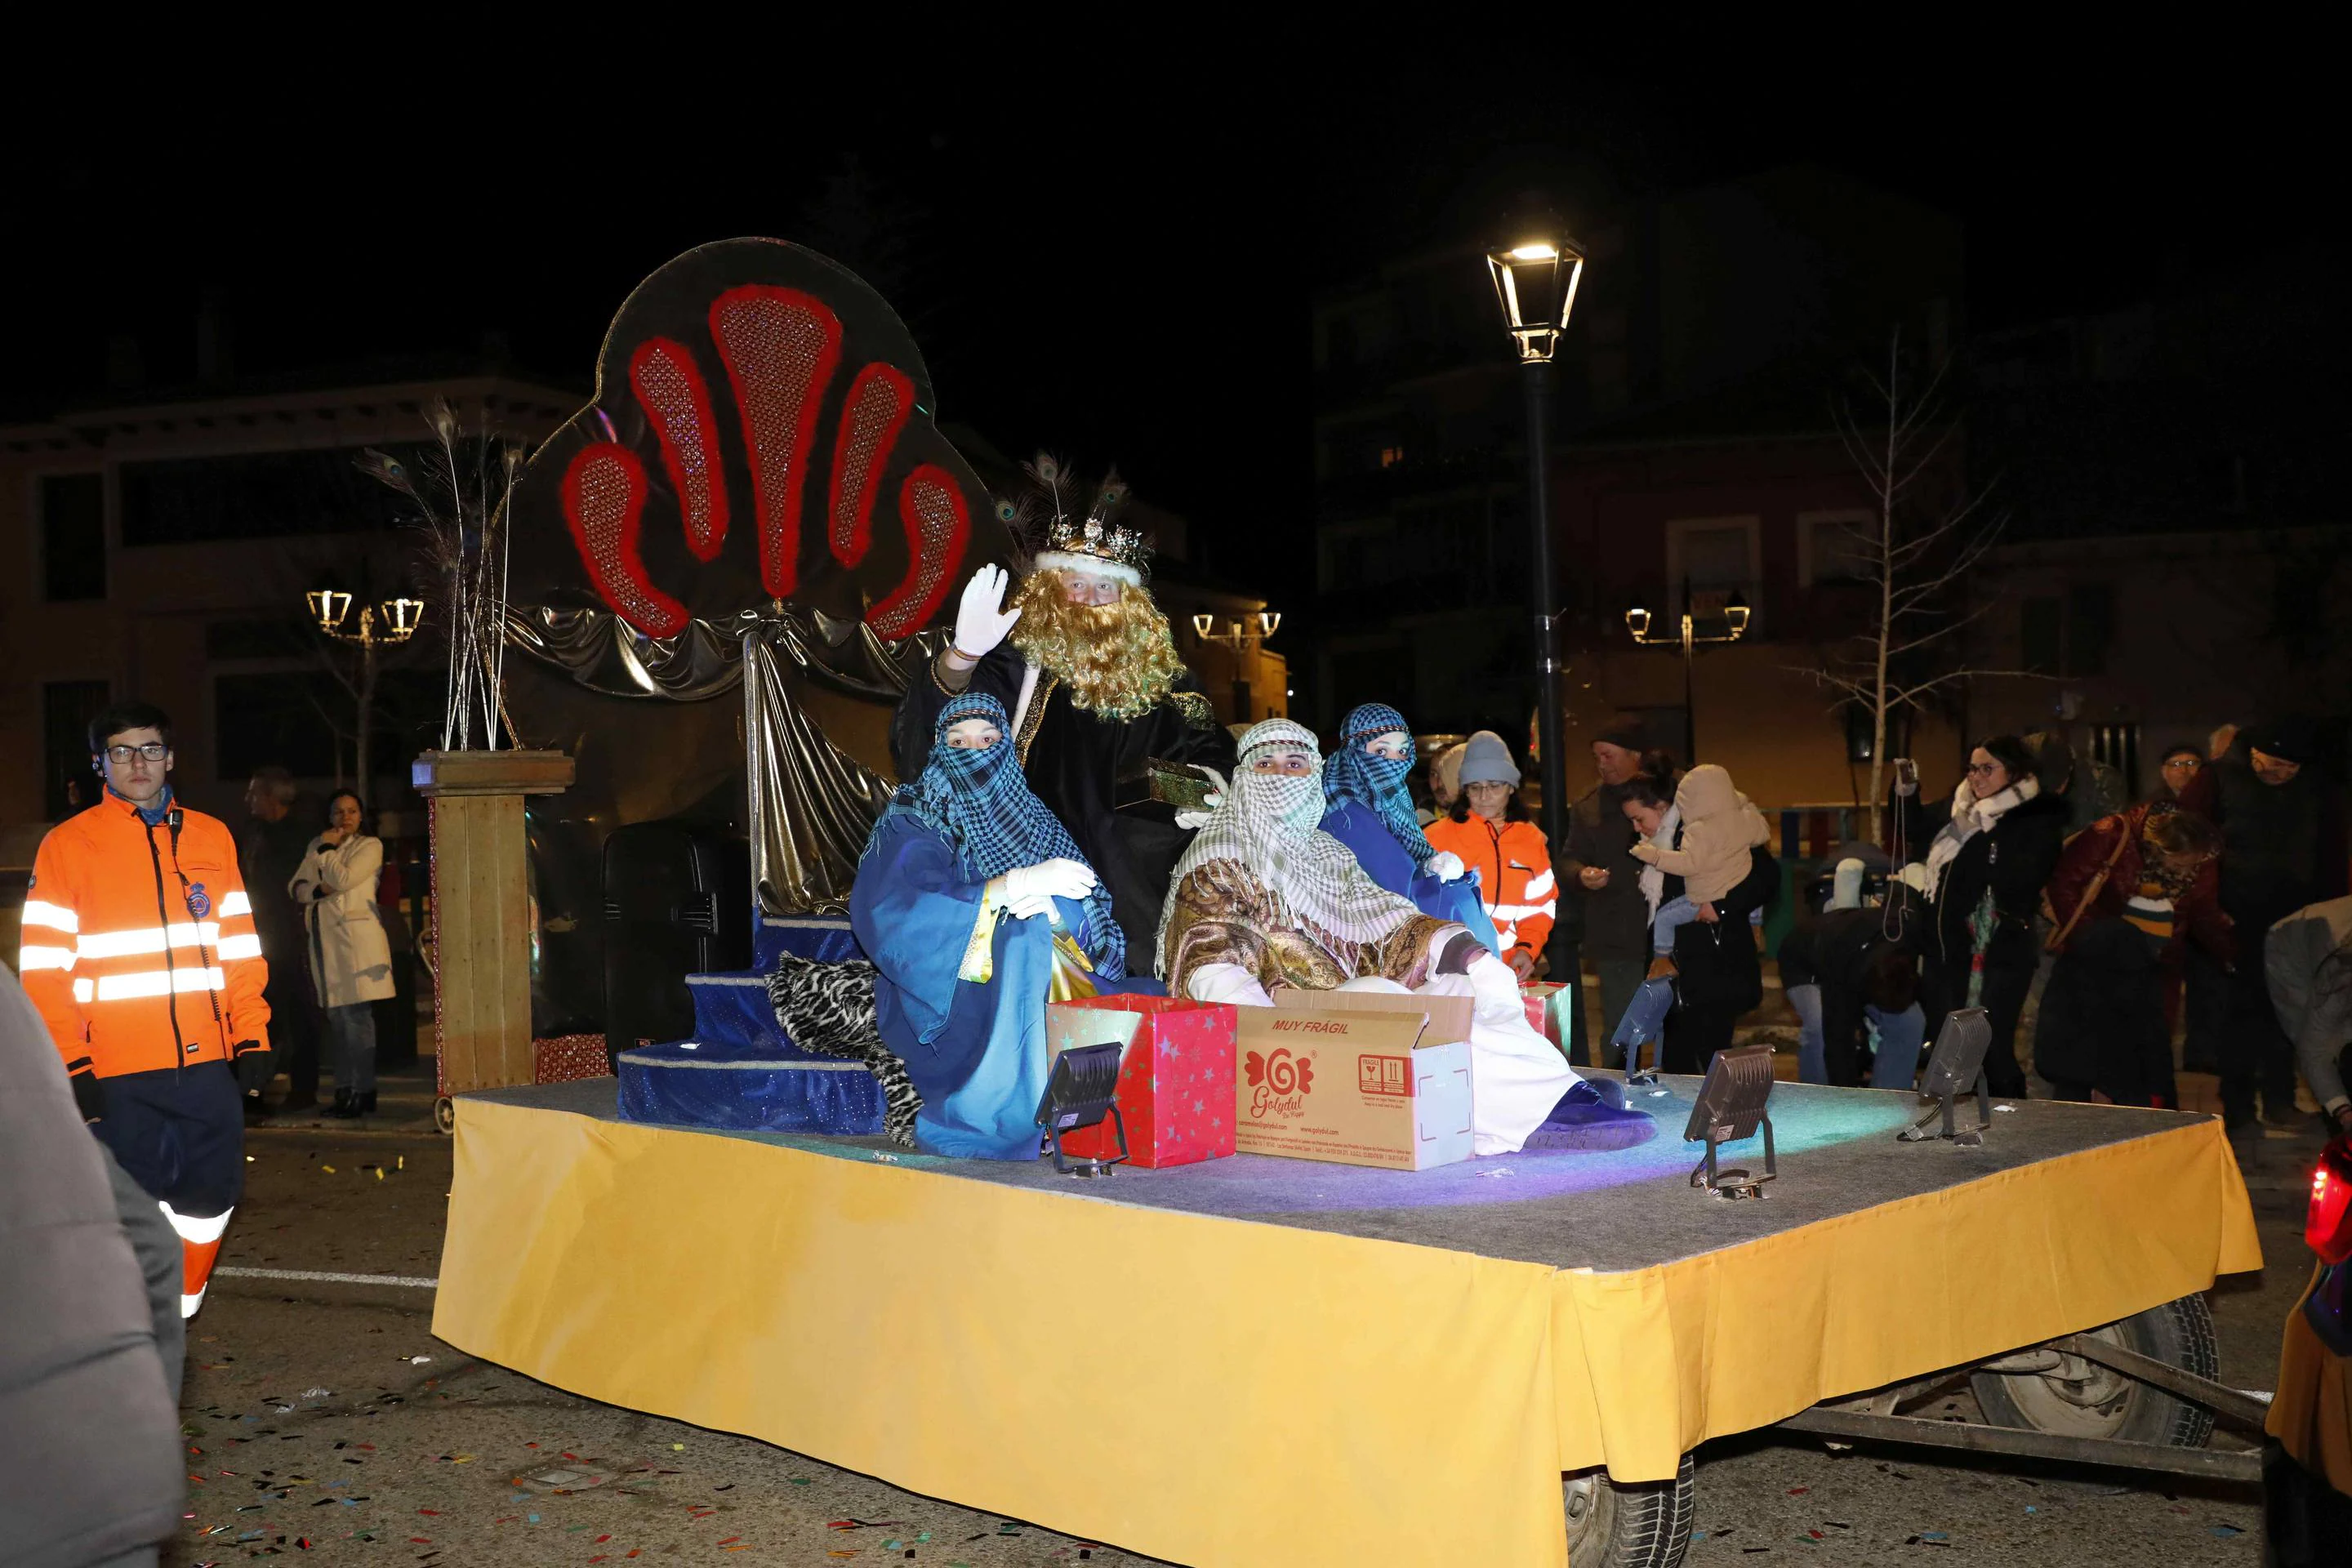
(481, 909)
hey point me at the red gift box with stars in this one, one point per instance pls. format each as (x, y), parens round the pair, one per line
(1175, 1078)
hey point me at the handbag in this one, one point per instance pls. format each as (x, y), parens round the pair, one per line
(2056, 941)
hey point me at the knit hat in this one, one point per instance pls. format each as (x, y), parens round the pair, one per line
(1446, 771)
(2288, 737)
(1485, 759)
(1623, 733)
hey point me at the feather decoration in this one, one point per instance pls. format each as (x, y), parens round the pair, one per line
(1048, 471)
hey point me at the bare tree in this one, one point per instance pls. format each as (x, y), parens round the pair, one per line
(1914, 552)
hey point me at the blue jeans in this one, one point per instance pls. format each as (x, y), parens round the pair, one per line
(1900, 1035)
(350, 1031)
(1672, 916)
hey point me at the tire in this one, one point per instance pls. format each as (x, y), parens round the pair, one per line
(2107, 1403)
(1613, 1524)
(445, 1115)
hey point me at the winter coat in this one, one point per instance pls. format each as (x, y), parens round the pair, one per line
(351, 958)
(2014, 858)
(2196, 914)
(2282, 846)
(1716, 963)
(1615, 918)
(1719, 827)
(2307, 961)
(93, 1447)
(1514, 878)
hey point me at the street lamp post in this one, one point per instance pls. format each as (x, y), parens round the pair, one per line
(1735, 624)
(400, 618)
(1536, 283)
(1242, 642)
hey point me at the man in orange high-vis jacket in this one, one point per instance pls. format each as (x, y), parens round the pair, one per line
(138, 951)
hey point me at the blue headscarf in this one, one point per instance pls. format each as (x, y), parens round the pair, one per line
(1349, 773)
(981, 803)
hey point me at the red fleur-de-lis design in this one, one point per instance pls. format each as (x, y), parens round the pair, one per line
(783, 349)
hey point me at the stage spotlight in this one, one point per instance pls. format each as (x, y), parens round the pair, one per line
(1730, 1105)
(1079, 1095)
(1956, 1063)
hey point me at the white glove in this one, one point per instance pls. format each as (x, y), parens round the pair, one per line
(1446, 866)
(1191, 821)
(1495, 985)
(981, 620)
(1048, 879)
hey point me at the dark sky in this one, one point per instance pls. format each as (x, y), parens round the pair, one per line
(1118, 267)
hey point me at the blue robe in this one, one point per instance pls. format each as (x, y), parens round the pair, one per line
(975, 1049)
(1384, 860)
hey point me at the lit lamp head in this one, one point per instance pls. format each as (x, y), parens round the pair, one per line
(1267, 620)
(1637, 621)
(404, 616)
(329, 606)
(1536, 285)
(1735, 615)
(1203, 623)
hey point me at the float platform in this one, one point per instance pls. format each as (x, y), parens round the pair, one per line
(1261, 1361)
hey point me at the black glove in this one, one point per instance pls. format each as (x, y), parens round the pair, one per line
(252, 1061)
(90, 1095)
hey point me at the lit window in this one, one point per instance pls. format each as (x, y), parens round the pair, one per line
(1392, 456)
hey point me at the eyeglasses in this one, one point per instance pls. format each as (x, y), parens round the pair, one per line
(153, 750)
(1983, 770)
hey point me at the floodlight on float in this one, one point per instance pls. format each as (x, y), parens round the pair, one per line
(1731, 1106)
(1078, 1095)
(329, 606)
(1955, 1065)
(1536, 282)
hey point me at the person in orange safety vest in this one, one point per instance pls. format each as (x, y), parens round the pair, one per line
(1488, 830)
(138, 951)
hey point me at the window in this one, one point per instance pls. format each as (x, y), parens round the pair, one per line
(2090, 627)
(260, 495)
(2038, 636)
(73, 537)
(67, 709)
(1835, 547)
(1715, 557)
(1392, 456)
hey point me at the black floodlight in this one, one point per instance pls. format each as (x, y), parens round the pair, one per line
(1730, 1106)
(1079, 1094)
(1956, 1063)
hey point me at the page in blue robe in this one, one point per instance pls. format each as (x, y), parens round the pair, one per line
(975, 1049)
(1385, 861)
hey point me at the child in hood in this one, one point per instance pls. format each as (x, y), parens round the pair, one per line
(1719, 827)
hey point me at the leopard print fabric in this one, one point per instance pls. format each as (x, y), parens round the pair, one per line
(828, 1008)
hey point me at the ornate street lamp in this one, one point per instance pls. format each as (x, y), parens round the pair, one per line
(393, 621)
(1241, 640)
(1688, 637)
(1535, 283)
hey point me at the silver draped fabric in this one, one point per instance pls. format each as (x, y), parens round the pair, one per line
(811, 803)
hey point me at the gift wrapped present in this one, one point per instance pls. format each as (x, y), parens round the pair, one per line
(1175, 1076)
(1549, 1005)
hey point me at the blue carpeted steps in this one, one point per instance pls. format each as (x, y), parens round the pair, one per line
(740, 1072)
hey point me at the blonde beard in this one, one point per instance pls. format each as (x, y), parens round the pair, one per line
(1117, 660)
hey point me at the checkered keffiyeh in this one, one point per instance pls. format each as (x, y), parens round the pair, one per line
(981, 803)
(1350, 774)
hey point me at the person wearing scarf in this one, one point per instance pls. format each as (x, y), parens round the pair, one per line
(1985, 866)
(1263, 899)
(1367, 807)
(2132, 892)
(976, 907)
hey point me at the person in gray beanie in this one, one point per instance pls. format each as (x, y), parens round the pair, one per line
(1489, 829)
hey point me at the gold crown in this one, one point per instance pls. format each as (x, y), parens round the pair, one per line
(1096, 536)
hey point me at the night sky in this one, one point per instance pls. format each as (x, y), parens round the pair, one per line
(1122, 272)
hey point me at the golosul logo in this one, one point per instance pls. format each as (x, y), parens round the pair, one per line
(1279, 1083)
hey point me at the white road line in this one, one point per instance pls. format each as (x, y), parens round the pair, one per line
(405, 1281)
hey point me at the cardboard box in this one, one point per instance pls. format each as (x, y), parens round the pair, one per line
(1175, 1076)
(1356, 1078)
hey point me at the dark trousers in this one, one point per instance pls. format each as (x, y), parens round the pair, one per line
(2010, 960)
(1618, 979)
(293, 1029)
(1695, 1033)
(2256, 1055)
(179, 1134)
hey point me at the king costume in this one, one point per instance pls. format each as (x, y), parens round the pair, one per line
(1367, 807)
(1110, 729)
(1265, 899)
(976, 908)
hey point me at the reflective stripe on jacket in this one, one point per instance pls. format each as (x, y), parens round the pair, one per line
(139, 953)
(1514, 878)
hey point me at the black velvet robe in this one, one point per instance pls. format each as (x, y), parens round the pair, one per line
(1092, 772)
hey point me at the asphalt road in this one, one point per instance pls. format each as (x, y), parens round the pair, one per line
(324, 1420)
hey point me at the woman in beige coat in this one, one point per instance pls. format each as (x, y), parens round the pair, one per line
(351, 958)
